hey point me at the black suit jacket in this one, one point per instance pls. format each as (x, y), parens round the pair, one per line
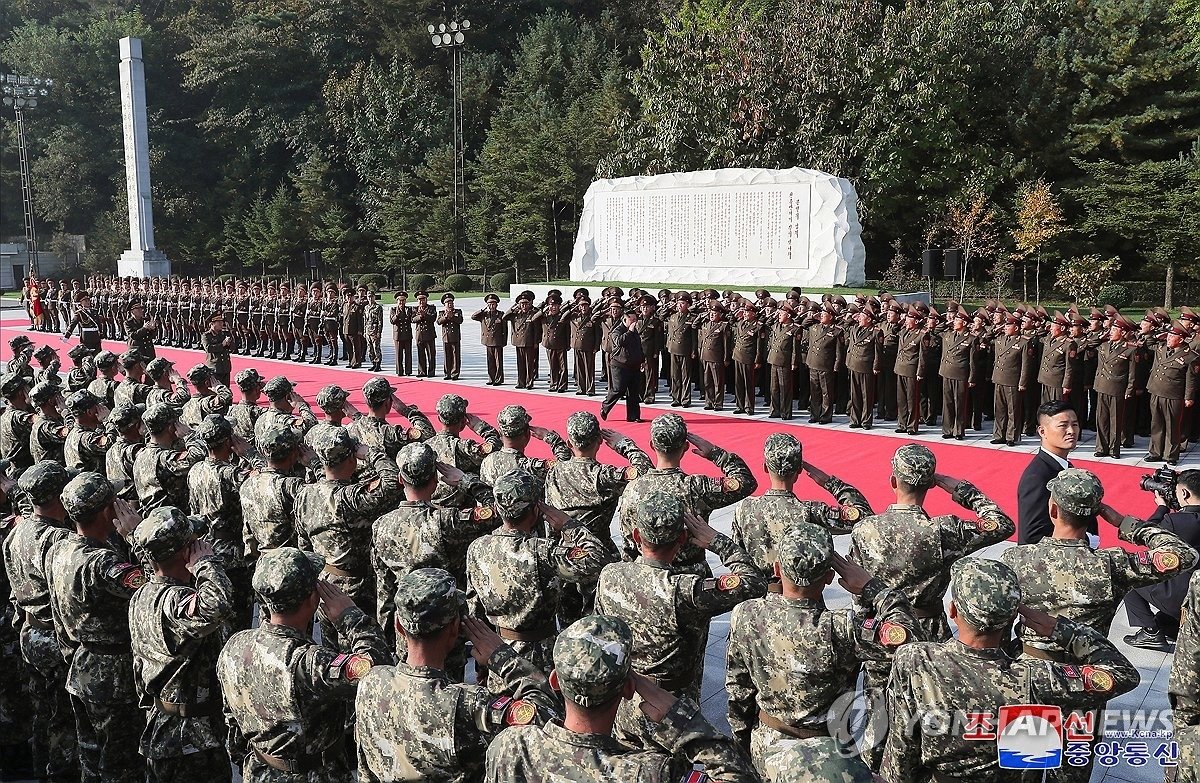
(1185, 523)
(1033, 500)
(626, 347)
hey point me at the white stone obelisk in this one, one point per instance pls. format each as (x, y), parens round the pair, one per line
(141, 259)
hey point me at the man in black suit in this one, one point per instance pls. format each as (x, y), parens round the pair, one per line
(1155, 630)
(627, 368)
(1058, 427)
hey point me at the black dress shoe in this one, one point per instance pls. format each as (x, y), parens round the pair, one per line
(960, 437)
(868, 426)
(738, 410)
(604, 414)
(1150, 458)
(946, 436)
(1011, 443)
(1172, 462)
(1148, 640)
(675, 405)
(1100, 454)
(854, 426)
(996, 441)
(899, 429)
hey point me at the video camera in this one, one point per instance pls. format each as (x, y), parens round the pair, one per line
(1162, 482)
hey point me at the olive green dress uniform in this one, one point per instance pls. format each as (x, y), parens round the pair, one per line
(653, 332)
(140, 337)
(864, 362)
(681, 344)
(748, 354)
(373, 330)
(957, 355)
(556, 339)
(909, 371)
(1012, 371)
(424, 333)
(714, 340)
(889, 346)
(1061, 367)
(1172, 380)
(585, 341)
(353, 330)
(400, 317)
(493, 335)
(783, 354)
(216, 354)
(1114, 385)
(825, 355)
(451, 322)
(525, 338)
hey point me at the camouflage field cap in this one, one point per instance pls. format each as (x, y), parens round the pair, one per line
(659, 518)
(277, 440)
(131, 358)
(583, 428)
(19, 342)
(158, 417)
(805, 552)
(44, 352)
(43, 392)
(214, 429)
(451, 408)
(248, 379)
(105, 359)
(278, 388)
(333, 445)
(915, 465)
(417, 463)
(82, 400)
(200, 373)
(13, 383)
(986, 592)
(331, 398)
(427, 600)
(668, 433)
(125, 415)
(79, 351)
(159, 367)
(1077, 491)
(44, 481)
(592, 658)
(515, 491)
(86, 494)
(285, 576)
(783, 454)
(513, 420)
(378, 390)
(164, 533)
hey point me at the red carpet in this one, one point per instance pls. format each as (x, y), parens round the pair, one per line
(859, 458)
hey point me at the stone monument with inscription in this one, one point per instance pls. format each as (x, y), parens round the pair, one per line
(141, 259)
(728, 227)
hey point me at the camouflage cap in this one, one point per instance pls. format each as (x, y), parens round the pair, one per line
(1077, 491)
(515, 491)
(914, 465)
(12, 383)
(106, 359)
(583, 428)
(19, 342)
(285, 576)
(333, 445)
(417, 463)
(125, 415)
(44, 352)
(986, 592)
(43, 392)
(79, 351)
(378, 390)
(214, 429)
(278, 439)
(668, 433)
(82, 400)
(44, 481)
(805, 552)
(164, 533)
(783, 454)
(428, 600)
(512, 420)
(158, 417)
(130, 358)
(659, 518)
(592, 658)
(248, 379)
(159, 367)
(451, 408)
(331, 398)
(278, 388)
(86, 494)
(200, 373)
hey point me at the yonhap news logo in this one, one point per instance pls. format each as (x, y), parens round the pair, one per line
(1029, 736)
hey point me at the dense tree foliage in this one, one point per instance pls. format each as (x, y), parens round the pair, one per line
(283, 125)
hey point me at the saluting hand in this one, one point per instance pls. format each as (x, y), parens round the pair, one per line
(334, 602)
(703, 448)
(852, 576)
(484, 641)
(451, 474)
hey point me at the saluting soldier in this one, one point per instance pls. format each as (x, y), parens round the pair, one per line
(1114, 385)
(957, 357)
(864, 360)
(141, 332)
(824, 355)
(889, 344)
(456, 451)
(1061, 368)
(450, 319)
(217, 343)
(556, 339)
(400, 317)
(373, 328)
(525, 337)
(1172, 388)
(910, 372)
(681, 344)
(714, 343)
(1012, 371)
(585, 341)
(748, 354)
(493, 335)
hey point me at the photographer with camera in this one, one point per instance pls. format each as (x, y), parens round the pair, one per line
(1178, 511)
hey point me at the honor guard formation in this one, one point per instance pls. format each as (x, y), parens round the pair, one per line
(205, 572)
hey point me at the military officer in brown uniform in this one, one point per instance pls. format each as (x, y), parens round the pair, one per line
(681, 344)
(749, 352)
(1172, 387)
(909, 369)
(652, 330)
(402, 336)
(424, 322)
(450, 320)
(584, 341)
(889, 345)
(783, 350)
(1011, 372)
(1061, 367)
(1114, 386)
(825, 357)
(493, 334)
(556, 338)
(864, 360)
(958, 351)
(714, 341)
(525, 338)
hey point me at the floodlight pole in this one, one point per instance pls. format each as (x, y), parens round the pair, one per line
(452, 36)
(22, 92)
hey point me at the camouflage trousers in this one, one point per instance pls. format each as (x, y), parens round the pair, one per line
(53, 720)
(206, 766)
(109, 735)
(823, 758)
(14, 700)
(1188, 770)
(334, 768)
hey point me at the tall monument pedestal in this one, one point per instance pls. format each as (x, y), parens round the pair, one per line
(143, 263)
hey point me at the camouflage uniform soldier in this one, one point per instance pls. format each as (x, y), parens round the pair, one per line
(160, 470)
(459, 452)
(513, 575)
(373, 326)
(592, 668)
(170, 388)
(16, 422)
(82, 371)
(334, 516)
(91, 579)
(287, 408)
(131, 388)
(211, 397)
(105, 385)
(1184, 687)
(245, 412)
(86, 446)
(513, 423)
(288, 695)
(701, 494)
(414, 722)
(420, 534)
(175, 621)
(821, 650)
(933, 682)
(22, 352)
(25, 551)
(375, 431)
(668, 610)
(49, 431)
(268, 495)
(758, 522)
(49, 365)
(125, 428)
